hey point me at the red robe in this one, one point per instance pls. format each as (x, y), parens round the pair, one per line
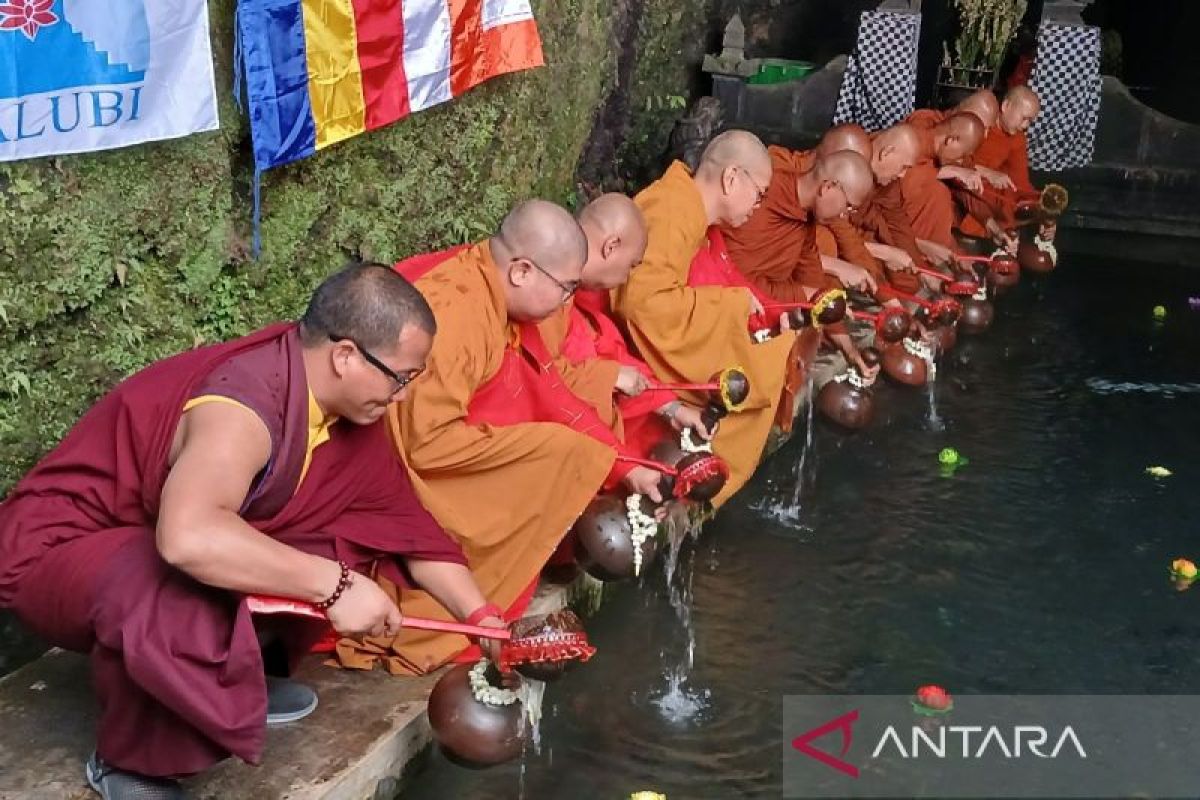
(592, 335)
(176, 664)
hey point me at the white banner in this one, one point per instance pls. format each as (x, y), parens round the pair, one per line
(81, 75)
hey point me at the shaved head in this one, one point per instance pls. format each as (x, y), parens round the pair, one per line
(982, 104)
(851, 171)
(847, 136)
(893, 151)
(735, 148)
(961, 136)
(1020, 108)
(733, 177)
(539, 251)
(843, 180)
(544, 232)
(613, 214)
(616, 237)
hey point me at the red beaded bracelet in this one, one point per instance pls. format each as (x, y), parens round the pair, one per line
(343, 584)
(483, 612)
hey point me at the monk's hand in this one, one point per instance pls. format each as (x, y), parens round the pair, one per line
(898, 259)
(853, 276)
(631, 382)
(967, 177)
(689, 417)
(868, 373)
(996, 178)
(931, 283)
(1002, 238)
(491, 647)
(938, 254)
(364, 610)
(755, 306)
(643, 480)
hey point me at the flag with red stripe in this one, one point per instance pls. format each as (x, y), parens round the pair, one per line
(320, 71)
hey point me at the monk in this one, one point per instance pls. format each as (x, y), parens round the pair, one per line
(977, 206)
(883, 219)
(928, 201)
(777, 248)
(859, 237)
(687, 333)
(1003, 157)
(258, 466)
(602, 369)
(501, 452)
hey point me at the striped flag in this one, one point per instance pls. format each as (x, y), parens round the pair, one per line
(320, 71)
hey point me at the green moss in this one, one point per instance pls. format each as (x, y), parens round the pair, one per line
(112, 260)
(669, 49)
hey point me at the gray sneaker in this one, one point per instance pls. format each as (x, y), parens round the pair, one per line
(288, 701)
(114, 784)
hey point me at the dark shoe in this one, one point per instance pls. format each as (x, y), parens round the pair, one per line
(114, 784)
(288, 701)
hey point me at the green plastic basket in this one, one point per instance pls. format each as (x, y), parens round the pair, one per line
(779, 70)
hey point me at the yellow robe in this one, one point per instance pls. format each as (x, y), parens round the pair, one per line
(688, 333)
(507, 493)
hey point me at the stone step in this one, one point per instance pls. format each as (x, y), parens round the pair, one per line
(368, 734)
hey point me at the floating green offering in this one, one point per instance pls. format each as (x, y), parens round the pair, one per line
(1160, 312)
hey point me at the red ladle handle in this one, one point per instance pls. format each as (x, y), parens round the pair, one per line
(694, 387)
(262, 604)
(646, 462)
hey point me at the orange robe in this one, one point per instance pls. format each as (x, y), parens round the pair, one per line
(882, 219)
(507, 492)
(936, 212)
(776, 249)
(583, 335)
(844, 238)
(1007, 153)
(688, 333)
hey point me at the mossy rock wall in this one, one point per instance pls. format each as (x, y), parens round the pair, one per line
(112, 260)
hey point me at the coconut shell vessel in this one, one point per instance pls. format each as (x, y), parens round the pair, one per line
(904, 367)
(847, 406)
(471, 732)
(1034, 259)
(604, 539)
(977, 316)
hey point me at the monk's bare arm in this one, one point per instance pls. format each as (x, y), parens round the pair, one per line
(199, 531)
(450, 584)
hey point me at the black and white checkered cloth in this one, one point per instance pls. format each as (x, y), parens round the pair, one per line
(1066, 77)
(881, 75)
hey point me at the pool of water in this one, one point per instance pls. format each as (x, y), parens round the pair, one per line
(1041, 566)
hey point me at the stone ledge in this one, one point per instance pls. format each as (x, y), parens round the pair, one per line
(368, 734)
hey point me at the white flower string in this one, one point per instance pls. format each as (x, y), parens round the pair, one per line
(485, 692)
(852, 377)
(980, 293)
(921, 350)
(688, 445)
(641, 526)
(1047, 246)
(762, 335)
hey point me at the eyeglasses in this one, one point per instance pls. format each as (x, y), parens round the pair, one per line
(850, 207)
(759, 192)
(399, 380)
(568, 289)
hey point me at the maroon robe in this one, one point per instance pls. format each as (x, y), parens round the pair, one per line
(176, 664)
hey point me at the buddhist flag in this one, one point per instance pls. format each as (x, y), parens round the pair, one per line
(320, 71)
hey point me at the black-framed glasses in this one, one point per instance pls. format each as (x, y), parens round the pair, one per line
(568, 289)
(759, 192)
(399, 380)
